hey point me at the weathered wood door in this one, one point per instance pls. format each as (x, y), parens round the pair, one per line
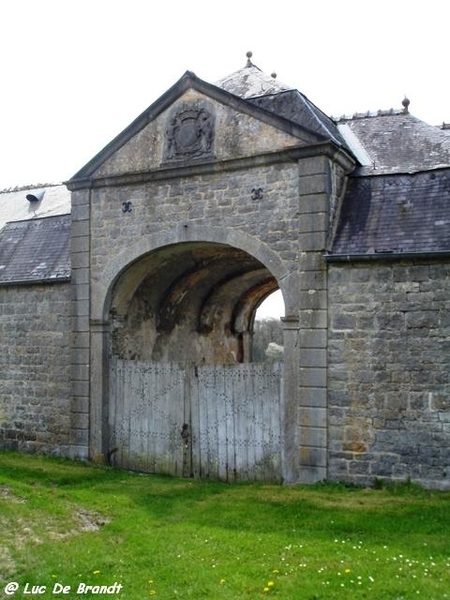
(216, 421)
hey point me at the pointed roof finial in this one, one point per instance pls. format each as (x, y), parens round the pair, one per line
(406, 102)
(249, 62)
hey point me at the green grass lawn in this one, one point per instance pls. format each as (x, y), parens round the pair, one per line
(64, 524)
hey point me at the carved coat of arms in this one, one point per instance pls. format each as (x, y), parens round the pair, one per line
(190, 134)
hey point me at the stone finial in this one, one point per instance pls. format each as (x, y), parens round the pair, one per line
(406, 102)
(249, 56)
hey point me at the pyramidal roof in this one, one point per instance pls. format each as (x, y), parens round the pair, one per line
(251, 82)
(258, 88)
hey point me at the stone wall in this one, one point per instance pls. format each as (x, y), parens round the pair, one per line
(222, 200)
(284, 225)
(35, 354)
(389, 372)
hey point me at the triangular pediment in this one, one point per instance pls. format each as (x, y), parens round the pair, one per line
(195, 122)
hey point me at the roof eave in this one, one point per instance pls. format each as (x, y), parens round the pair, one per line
(386, 256)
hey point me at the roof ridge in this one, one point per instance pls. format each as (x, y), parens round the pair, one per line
(32, 186)
(371, 114)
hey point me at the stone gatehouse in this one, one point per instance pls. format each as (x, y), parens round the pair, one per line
(128, 295)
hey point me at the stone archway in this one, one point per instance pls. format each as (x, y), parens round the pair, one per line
(179, 347)
(188, 302)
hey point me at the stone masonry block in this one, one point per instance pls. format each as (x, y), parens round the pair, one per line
(312, 166)
(315, 240)
(80, 244)
(313, 457)
(311, 261)
(313, 377)
(80, 404)
(313, 319)
(313, 203)
(80, 228)
(309, 475)
(80, 356)
(343, 321)
(312, 222)
(312, 338)
(313, 437)
(312, 280)
(80, 212)
(80, 437)
(80, 198)
(79, 420)
(82, 308)
(80, 372)
(80, 260)
(81, 340)
(312, 357)
(313, 184)
(313, 299)
(313, 397)
(80, 275)
(82, 291)
(312, 417)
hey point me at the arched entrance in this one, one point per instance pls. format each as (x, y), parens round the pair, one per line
(184, 396)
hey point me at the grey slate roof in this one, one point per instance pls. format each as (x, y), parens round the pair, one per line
(395, 214)
(397, 142)
(264, 91)
(296, 107)
(251, 82)
(35, 250)
(14, 205)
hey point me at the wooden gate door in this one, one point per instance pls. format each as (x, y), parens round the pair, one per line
(146, 413)
(236, 422)
(215, 421)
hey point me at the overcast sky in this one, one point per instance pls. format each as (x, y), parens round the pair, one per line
(75, 73)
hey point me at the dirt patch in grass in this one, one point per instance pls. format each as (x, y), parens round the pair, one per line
(7, 563)
(83, 520)
(7, 494)
(17, 531)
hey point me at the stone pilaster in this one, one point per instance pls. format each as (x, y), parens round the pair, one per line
(312, 324)
(99, 434)
(80, 370)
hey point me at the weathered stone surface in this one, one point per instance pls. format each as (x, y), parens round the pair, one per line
(388, 386)
(35, 356)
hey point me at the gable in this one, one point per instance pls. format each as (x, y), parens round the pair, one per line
(196, 122)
